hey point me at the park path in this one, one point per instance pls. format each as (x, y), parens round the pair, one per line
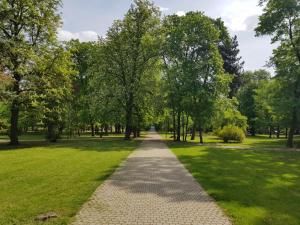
(151, 188)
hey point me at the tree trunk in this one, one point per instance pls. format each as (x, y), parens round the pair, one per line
(286, 133)
(14, 120)
(290, 142)
(128, 119)
(183, 127)
(174, 125)
(278, 132)
(178, 127)
(270, 132)
(200, 135)
(93, 129)
(52, 132)
(186, 127)
(193, 133)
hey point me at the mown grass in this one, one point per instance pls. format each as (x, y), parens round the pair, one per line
(39, 177)
(253, 186)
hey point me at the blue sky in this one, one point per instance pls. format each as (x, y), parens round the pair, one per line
(86, 19)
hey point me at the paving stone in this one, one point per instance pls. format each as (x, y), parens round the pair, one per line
(151, 188)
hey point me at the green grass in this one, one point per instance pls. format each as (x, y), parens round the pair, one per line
(259, 141)
(39, 177)
(254, 187)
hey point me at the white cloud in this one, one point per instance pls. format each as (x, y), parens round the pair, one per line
(163, 9)
(236, 12)
(180, 13)
(83, 36)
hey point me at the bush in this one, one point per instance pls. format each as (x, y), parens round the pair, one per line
(231, 133)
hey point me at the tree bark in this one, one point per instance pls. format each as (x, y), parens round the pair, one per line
(14, 120)
(290, 141)
(193, 133)
(278, 131)
(174, 125)
(178, 126)
(186, 127)
(93, 129)
(14, 117)
(200, 135)
(128, 119)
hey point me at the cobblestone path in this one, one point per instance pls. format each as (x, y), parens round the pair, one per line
(151, 188)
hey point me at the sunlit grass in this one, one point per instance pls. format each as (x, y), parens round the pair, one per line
(39, 177)
(253, 186)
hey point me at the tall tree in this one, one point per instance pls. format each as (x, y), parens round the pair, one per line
(131, 49)
(25, 26)
(229, 49)
(281, 19)
(194, 67)
(246, 96)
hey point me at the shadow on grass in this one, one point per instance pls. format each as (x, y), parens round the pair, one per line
(246, 180)
(107, 143)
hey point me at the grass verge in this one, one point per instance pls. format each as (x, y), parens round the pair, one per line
(39, 177)
(254, 187)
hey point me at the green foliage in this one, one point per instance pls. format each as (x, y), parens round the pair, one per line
(281, 20)
(246, 97)
(231, 133)
(27, 28)
(228, 47)
(128, 57)
(226, 112)
(194, 76)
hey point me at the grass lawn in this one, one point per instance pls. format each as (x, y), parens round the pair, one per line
(254, 187)
(39, 177)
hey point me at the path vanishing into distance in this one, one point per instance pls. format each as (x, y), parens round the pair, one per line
(150, 188)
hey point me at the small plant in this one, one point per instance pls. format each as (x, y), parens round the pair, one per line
(231, 133)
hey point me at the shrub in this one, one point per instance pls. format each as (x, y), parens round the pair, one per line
(231, 133)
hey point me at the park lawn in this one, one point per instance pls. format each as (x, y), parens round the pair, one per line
(254, 187)
(259, 141)
(39, 177)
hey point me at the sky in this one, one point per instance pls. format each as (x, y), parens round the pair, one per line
(87, 19)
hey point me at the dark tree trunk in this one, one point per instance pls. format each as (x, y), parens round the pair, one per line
(14, 120)
(138, 130)
(286, 133)
(52, 132)
(193, 133)
(200, 135)
(174, 125)
(270, 132)
(183, 127)
(186, 127)
(106, 129)
(15, 109)
(290, 141)
(93, 129)
(278, 132)
(252, 131)
(128, 117)
(178, 127)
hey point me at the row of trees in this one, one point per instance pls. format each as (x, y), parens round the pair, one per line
(182, 73)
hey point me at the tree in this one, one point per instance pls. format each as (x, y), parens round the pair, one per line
(53, 88)
(82, 56)
(246, 96)
(130, 50)
(25, 26)
(228, 47)
(194, 67)
(281, 19)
